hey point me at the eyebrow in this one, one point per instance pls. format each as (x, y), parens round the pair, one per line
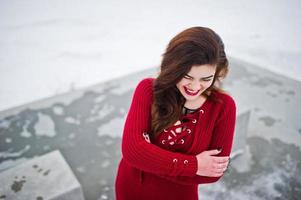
(202, 77)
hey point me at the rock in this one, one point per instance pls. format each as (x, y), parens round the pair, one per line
(45, 177)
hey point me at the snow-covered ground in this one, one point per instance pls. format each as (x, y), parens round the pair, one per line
(53, 46)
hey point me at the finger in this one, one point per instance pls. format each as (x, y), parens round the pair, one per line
(221, 170)
(218, 170)
(227, 170)
(221, 163)
(213, 152)
(220, 166)
(217, 174)
(222, 159)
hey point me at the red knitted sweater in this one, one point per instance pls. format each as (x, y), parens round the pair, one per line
(146, 168)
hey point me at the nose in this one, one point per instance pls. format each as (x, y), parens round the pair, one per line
(195, 85)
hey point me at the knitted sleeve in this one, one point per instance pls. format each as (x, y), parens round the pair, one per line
(222, 137)
(136, 148)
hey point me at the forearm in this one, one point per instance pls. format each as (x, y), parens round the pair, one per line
(222, 138)
(138, 152)
(150, 158)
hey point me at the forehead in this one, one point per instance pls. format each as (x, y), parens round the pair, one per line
(202, 70)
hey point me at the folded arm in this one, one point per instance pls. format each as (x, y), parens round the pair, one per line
(222, 137)
(141, 154)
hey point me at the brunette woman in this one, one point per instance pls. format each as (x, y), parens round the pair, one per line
(179, 129)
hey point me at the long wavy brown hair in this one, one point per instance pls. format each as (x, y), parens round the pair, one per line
(193, 46)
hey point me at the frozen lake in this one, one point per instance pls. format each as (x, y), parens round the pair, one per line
(87, 125)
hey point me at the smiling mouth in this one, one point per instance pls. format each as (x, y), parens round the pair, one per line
(191, 92)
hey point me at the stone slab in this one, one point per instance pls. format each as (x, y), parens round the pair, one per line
(45, 177)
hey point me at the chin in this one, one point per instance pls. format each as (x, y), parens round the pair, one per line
(191, 98)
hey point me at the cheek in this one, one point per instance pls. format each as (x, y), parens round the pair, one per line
(207, 84)
(182, 83)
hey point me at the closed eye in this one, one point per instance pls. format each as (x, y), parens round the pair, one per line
(203, 79)
(187, 77)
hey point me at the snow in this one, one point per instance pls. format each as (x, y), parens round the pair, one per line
(54, 46)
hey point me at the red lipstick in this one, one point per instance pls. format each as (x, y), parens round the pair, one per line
(191, 93)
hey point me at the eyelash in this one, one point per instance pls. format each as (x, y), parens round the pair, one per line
(187, 77)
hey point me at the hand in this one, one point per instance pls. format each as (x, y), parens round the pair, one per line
(210, 165)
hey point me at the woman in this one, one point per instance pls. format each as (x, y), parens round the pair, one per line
(179, 129)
